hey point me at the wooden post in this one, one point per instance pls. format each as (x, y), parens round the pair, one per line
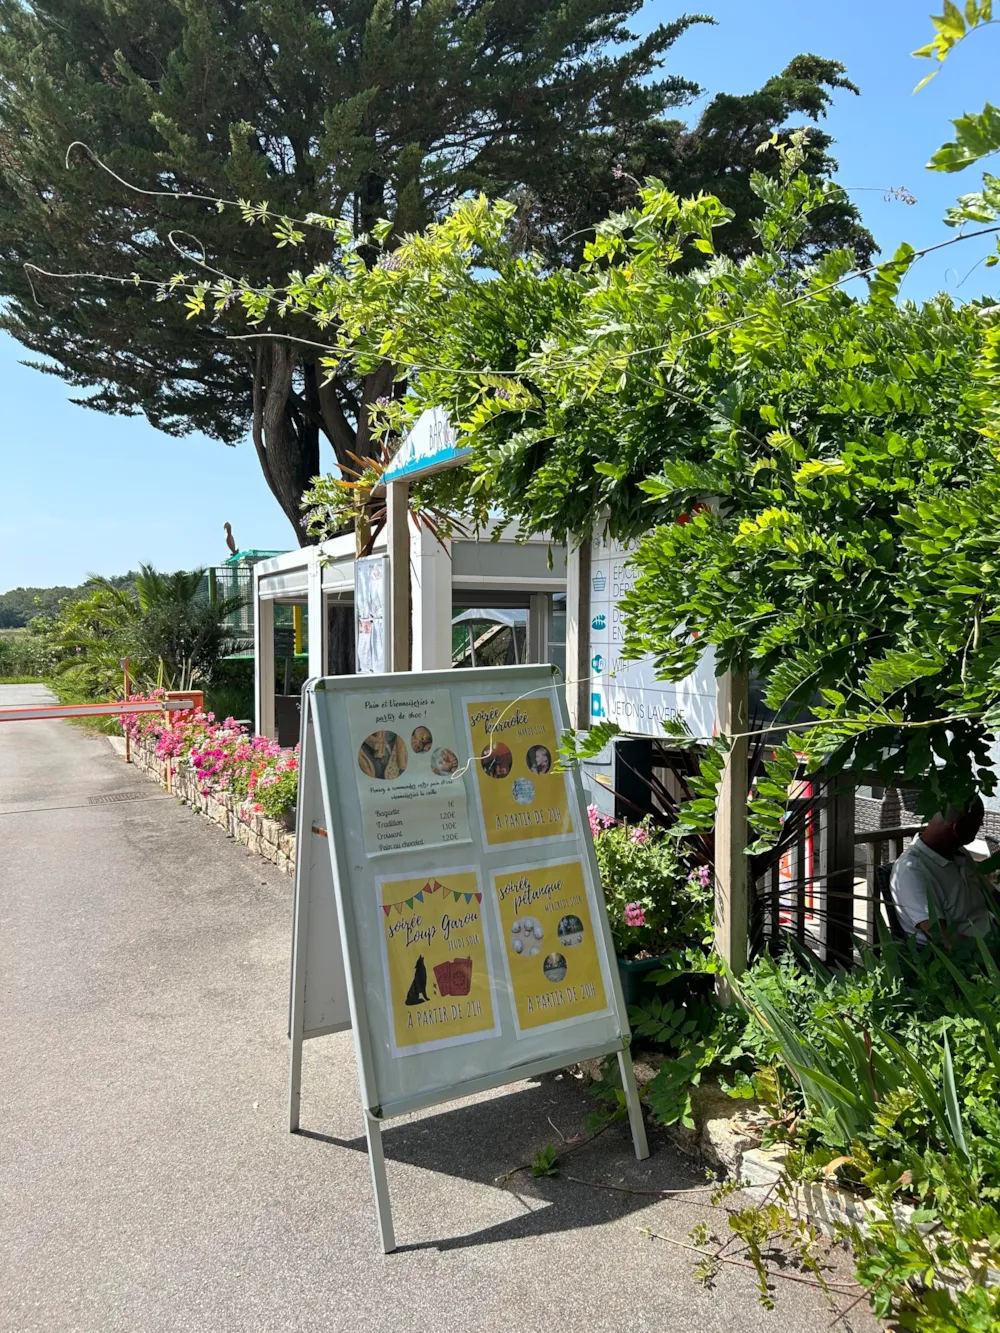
(430, 594)
(837, 840)
(578, 671)
(397, 500)
(537, 645)
(128, 686)
(731, 901)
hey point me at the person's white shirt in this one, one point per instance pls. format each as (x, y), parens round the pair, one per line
(928, 886)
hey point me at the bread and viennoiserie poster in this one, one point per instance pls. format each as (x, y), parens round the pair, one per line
(408, 769)
(436, 961)
(515, 747)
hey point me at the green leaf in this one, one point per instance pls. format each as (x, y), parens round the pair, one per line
(977, 135)
(546, 1163)
(951, 1100)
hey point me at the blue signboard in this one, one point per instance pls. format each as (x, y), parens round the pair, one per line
(431, 446)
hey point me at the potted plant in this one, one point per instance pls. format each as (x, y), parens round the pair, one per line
(658, 908)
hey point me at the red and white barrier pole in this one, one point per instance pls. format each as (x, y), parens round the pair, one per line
(178, 704)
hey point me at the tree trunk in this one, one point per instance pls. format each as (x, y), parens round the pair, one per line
(286, 439)
(287, 424)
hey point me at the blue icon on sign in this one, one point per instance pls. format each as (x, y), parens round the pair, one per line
(599, 622)
(597, 663)
(596, 706)
(600, 581)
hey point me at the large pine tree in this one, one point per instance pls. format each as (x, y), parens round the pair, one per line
(357, 108)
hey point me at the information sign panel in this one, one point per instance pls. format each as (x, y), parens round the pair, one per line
(630, 693)
(371, 581)
(456, 902)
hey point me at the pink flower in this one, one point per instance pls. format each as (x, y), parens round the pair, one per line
(596, 822)
(635, 914)
(638, 835)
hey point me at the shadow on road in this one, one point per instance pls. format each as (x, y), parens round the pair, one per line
(493, 1142)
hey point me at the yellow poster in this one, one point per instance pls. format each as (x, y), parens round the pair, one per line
(514, 751)
(436, 961)
(549, 941)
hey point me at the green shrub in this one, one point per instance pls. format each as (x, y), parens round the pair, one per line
(892, 1082)
(24, 655)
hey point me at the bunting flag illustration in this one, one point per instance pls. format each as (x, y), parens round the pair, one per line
(431, 886)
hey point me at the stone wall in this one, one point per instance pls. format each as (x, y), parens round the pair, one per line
(267, 837)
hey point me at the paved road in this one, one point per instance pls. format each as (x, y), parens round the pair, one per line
(146, 1178)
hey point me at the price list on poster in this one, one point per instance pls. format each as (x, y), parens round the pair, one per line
(479, 907)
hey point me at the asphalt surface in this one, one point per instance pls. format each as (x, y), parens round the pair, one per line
(147, 1180)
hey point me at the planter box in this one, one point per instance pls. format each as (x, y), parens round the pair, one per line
(272, 839)
(635, 973)
(637, 985)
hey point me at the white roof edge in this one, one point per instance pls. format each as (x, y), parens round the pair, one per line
(337, 548)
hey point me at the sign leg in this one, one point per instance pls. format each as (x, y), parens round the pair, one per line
(376, 1160)
(634, 1105)
(295, 1080)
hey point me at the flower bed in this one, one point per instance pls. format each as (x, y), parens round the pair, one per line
(247, 784)
(656, 904)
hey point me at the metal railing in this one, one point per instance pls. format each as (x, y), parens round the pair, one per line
(882, 847)
(806, 890)
(813, 890)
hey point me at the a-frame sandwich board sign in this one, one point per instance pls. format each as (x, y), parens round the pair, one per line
(448, 906)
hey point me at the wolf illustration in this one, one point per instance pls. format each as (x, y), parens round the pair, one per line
(417, 994)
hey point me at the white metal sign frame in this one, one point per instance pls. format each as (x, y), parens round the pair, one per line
(336, 983)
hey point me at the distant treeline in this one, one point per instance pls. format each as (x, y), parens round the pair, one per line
(19, 605)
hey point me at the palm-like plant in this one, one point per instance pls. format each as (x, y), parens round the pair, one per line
(167, 627)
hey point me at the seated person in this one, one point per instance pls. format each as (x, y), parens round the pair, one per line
(937, 880)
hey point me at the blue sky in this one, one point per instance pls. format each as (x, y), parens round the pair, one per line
(82, 492)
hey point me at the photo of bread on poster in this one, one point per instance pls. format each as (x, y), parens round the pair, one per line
(550, 944)
(515, 746)
(436, 961)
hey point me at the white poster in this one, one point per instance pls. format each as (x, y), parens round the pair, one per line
(370, 576)
(409, 770)
(629, 693)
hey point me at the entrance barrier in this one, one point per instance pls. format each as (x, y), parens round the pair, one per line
(173, 703)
